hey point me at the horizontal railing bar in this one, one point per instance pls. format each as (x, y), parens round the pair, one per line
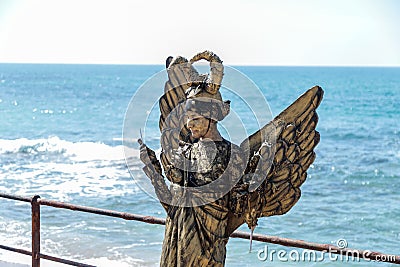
(64, 261)
(17, 250)
(14, 197)
(46, 257)
(111, 213)
(366, 254)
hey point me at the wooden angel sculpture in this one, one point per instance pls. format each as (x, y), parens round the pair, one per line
(214, 185)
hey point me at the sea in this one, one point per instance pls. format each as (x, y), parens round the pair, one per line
(61, 137)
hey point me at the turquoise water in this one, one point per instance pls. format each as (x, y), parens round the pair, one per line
(60, 137)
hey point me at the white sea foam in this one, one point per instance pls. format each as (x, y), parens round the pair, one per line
(79, 151)
(60, 169)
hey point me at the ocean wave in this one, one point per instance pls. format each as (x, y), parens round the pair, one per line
(77, 151)
(64, 170)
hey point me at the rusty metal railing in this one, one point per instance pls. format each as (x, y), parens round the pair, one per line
(36, 202)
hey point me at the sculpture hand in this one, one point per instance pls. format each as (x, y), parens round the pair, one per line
(146, 155)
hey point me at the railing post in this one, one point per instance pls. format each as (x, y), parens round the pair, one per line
(35, 232)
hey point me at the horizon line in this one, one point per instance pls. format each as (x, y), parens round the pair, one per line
(236, 65)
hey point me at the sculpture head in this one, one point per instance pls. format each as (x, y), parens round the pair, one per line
(203, 110)
(198, 125)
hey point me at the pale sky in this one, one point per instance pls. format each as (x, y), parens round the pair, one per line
(258, 32)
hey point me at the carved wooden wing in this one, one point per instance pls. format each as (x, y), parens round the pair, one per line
(171, 126)
(284, 150)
